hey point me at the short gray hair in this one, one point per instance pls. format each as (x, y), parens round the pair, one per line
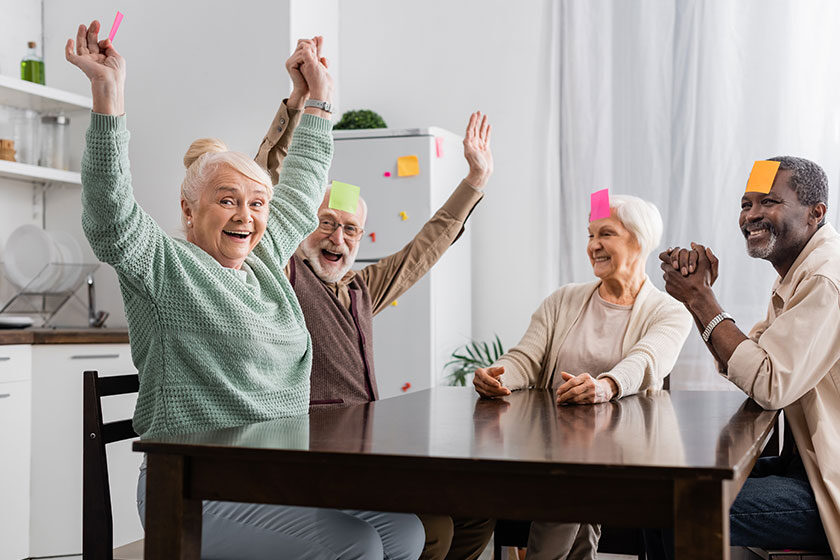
(808, 180)
(641, 218)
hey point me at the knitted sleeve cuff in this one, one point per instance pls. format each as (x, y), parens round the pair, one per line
(107, 123)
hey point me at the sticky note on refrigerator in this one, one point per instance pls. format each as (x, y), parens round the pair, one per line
(762, 176)
(600, 205)
(116, 25)
(344, 196)
(408, 166)
(439, 146)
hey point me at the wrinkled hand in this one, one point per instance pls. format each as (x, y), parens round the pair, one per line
(698, 277)
(584, 389)
(300, 89)
(103, 66)
(487, 383)
(313, 68)
(477, 150)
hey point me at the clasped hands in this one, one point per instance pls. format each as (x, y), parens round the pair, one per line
(689, 273)
(308, 71)
(576, 389)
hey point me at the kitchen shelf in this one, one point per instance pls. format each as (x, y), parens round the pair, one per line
(27, 95)
(36, 173)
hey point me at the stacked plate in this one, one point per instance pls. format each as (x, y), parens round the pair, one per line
(41, 261)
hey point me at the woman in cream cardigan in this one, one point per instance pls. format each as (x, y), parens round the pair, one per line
(597, 341)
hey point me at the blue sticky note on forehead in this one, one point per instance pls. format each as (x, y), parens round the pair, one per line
(344, 196)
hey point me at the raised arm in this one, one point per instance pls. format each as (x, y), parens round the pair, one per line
(302, 181)
(395, 274)
(275, 145)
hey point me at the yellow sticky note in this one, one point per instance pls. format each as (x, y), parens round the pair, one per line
(344, 196)
(408, 166)
(762, 176)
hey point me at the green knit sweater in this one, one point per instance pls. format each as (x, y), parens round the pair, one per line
(214, 347)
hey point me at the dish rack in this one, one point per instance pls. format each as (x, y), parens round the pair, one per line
(47, 292)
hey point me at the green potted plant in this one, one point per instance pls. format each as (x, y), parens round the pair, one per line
(363, 118)
(469, 357)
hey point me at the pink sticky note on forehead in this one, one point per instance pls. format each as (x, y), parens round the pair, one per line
(117, 22)
(600, 205)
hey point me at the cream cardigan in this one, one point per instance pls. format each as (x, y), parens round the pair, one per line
(658, 327)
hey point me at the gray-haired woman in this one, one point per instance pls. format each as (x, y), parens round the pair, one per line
(597, 341)
(217, 334)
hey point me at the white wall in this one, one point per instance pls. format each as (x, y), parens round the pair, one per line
(430, 64)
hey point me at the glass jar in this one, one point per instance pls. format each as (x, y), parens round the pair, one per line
(54, 144)
(26, 126)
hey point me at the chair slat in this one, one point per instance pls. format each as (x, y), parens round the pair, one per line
(117, 385)
(117, 431)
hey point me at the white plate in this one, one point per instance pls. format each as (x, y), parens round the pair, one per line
(14, 322)
(70, 254)
(28, 252)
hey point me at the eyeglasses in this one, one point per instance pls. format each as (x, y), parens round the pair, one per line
(350, 231)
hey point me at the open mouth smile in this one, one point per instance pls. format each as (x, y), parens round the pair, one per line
(240, 235)
(330, 256)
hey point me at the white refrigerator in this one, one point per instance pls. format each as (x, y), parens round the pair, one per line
(414, 338)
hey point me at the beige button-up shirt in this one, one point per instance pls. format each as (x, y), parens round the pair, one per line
(792, 361)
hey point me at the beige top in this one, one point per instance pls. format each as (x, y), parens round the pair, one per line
(594, 342)
(656, 330)
(792, 361)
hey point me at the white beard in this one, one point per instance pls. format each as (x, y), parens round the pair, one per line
(764, 251)
(314, 256)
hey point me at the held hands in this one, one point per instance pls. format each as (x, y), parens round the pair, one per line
(103, 66)
(477, 150)
(585, 389)
(487, 383)
(307, 51)
(689, 274)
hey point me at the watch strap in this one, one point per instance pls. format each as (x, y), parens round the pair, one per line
(323, 105)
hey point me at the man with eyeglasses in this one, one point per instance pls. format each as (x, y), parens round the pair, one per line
(339, 303)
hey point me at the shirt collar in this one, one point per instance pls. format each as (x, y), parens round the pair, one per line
(783, 287)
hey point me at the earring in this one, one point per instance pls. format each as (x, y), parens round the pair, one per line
(189, 223)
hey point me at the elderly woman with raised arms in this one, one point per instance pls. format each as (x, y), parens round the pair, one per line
(217, 334)
(597, 341)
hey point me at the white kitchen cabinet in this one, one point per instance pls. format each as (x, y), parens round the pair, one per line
(14, 451)
(56, 497)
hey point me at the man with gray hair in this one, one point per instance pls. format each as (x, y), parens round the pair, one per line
(790, 360)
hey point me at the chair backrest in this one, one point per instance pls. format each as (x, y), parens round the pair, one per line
(97, 520)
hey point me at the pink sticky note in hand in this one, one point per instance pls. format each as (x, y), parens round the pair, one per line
(117, 21)
(600, 201)
(439, 146)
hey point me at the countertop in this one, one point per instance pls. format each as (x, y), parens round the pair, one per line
(63, 336)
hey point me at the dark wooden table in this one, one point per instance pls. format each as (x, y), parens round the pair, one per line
(667, 459)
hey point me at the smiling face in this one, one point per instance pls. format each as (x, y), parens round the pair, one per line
(228, 219)
(775, 225)
(331, 254)
(613, 251)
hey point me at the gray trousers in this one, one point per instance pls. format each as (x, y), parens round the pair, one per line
(235, 531)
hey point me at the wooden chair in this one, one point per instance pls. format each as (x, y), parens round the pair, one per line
(97, 519)
(614, 540)
(788, 554)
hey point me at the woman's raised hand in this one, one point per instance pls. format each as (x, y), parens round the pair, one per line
(103, 66)
(313, 67)
(477, 150)
(300, 89)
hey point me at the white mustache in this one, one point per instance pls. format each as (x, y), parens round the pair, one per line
(326, 245)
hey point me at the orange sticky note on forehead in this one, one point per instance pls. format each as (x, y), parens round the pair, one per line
(762, 176)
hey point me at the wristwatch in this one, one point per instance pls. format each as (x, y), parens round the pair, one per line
(323, 105)
(719, 318)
